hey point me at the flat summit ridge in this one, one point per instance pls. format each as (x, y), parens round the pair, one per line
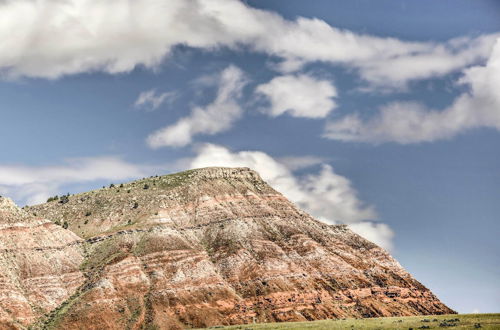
(224, 172)
(199, 248)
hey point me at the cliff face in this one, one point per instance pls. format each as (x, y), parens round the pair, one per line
(199, 248)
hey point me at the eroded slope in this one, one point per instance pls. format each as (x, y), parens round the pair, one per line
(39, 265)
(219, 246)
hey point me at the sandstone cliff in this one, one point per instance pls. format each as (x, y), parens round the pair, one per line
(194, 249)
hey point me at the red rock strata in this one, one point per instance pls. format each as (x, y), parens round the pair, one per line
(39, 265)
(200, 248)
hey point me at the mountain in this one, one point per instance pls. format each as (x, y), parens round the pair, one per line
(199, 248)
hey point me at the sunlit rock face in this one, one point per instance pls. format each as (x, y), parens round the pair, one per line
(213, 246)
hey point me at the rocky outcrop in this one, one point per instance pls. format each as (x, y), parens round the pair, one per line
(201, 248)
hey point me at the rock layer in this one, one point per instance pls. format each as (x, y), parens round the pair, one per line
(207, 247)
(39, 265)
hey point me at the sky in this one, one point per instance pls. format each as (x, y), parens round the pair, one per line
(382, 115)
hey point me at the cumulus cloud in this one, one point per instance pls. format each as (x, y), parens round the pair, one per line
(326, 195)
(116, 36)
(298, 95)
(410, 122)
(35, 184)
(151, 100)
(216, 117)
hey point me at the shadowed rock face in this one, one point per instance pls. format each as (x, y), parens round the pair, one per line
(199, 248)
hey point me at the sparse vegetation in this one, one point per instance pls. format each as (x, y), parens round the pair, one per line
(119, 204)
(53, 198)
(64, 199)
(461, 321)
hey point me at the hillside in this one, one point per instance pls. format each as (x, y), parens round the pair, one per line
(196, 249)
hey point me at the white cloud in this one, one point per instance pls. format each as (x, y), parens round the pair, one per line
(438, 59)
(326, 195)
(216, 117)
(378, 233)
(294, 163)
(298, 95)
(150, 100)
(409, 122)
(35, 184)
(331, 197)
(116, 36)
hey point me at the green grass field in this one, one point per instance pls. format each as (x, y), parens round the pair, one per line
(455, 321)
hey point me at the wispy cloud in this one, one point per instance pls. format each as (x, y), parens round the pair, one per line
(116, 36)
(294, 163)
(216, 117)
(298, 95)
(34, 184)
(411, 122)
(151, 100)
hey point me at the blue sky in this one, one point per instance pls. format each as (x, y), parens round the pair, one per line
(383, 115)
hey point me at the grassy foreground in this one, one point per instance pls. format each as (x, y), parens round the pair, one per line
(455, 321)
